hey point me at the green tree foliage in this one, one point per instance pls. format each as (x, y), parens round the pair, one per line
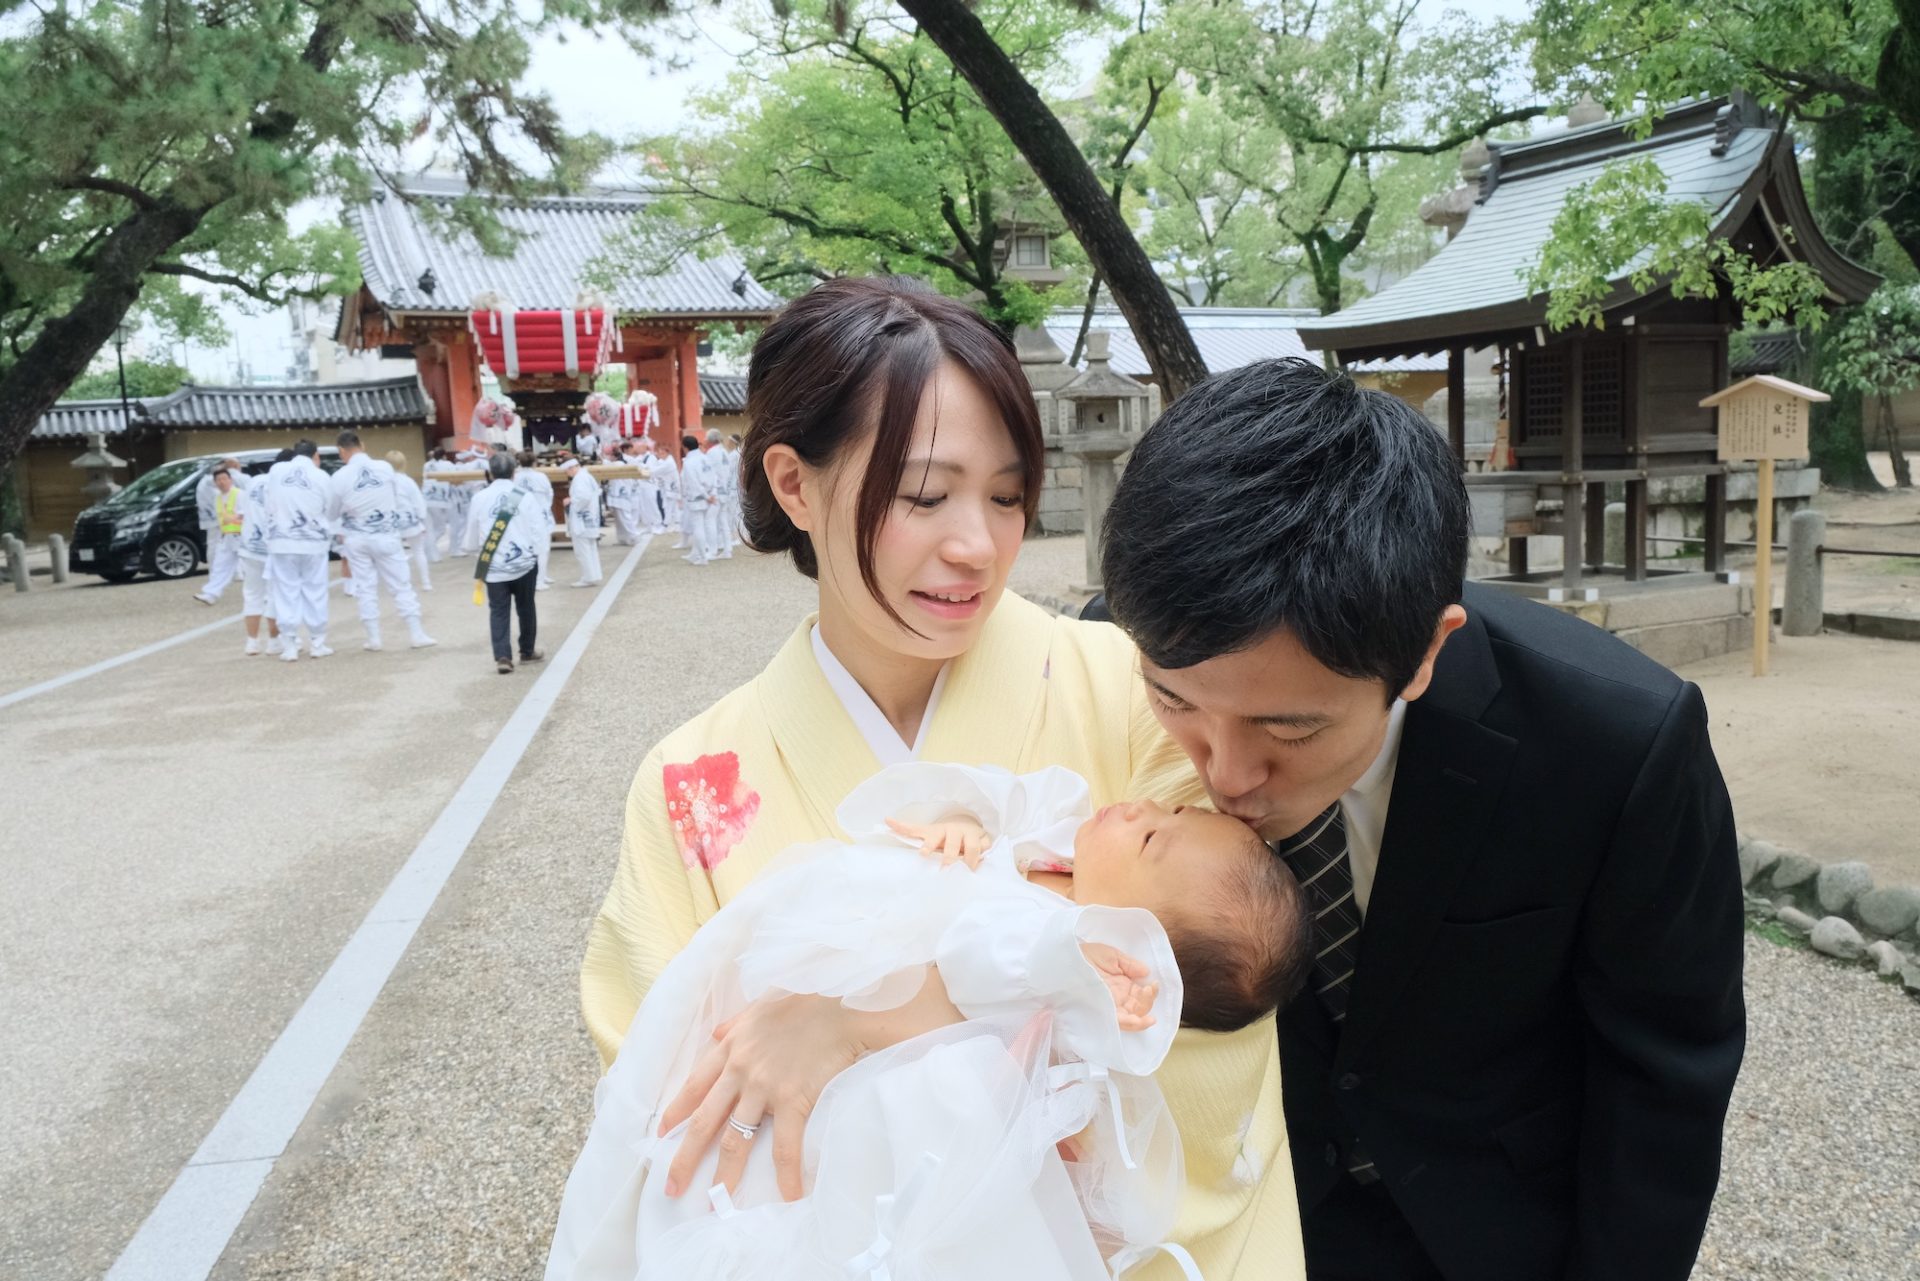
(1875, 351)
(1831, 69)
(848, 143)
(153, 142)
(144, 378)
(1354, 99)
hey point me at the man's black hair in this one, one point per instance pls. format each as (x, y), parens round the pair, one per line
(305, 448)
(689, 444)
(284, 456)
(348, 439)
(1282, 497)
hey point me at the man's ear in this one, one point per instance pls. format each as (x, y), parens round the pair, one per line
(1452, 619)
(789, 475)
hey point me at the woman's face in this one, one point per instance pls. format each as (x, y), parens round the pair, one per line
(950, 537)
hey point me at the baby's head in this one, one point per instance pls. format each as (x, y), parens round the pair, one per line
(1233, 912)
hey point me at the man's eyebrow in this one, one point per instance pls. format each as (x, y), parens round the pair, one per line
(1164, 692)
(1294, 720)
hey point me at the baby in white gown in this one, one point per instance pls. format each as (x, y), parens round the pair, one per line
(940, 1158)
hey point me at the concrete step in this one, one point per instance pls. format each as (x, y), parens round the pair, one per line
(1656, 606)
(1676, 644)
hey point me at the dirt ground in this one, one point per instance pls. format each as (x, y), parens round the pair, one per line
(1887, 521)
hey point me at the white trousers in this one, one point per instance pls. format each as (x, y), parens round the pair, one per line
(437, 526)
(627, 524)
(544, 557)
(256, 592)
(380, 559)
(586, 550)
(457, 512)
(299, 592)
(417, 555)
(653, 509)
(713, 527)
(223, 562)
(693, 532)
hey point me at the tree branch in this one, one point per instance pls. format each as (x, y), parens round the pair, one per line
(113, 187)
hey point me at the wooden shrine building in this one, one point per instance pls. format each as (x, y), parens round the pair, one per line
(422, 277)
(1619, 403)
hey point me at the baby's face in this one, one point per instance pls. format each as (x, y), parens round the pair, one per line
(1138, 854)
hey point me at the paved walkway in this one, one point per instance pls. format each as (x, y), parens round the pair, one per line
(153, 956)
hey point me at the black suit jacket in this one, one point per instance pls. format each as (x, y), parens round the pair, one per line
(1546, 1016)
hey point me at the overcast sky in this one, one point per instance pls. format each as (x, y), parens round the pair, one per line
(600, 84)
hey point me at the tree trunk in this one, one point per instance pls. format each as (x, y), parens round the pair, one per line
(1902, 472)
(1837, 439)
(67, 344)
(1086, 320)
(1075, 188)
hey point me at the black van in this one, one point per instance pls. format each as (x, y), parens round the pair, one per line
(153, 525)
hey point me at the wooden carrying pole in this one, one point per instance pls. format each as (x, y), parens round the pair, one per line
(1763, 567)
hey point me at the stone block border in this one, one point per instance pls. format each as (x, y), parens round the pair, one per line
(1837, 908)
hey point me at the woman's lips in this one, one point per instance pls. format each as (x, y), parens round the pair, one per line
(940, 606)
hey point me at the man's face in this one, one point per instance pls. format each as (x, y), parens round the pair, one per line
(1275, 735)
(222, 481)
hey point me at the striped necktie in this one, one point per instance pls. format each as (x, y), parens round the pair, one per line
(1318, 859)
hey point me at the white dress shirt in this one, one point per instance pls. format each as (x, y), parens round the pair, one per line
(1365, 808)
(888, 747)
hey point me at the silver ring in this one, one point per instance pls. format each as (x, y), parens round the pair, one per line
(742, 1129)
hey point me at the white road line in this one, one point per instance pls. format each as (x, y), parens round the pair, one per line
(108, 664)
(184, 1236)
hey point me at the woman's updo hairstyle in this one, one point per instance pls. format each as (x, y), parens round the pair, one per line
(856, 354)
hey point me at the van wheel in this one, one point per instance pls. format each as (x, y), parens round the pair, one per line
(175, 556)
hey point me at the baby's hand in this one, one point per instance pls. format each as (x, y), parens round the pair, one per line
(1122, 974)
(951, 840)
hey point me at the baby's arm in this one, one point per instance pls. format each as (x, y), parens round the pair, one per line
(956, 838)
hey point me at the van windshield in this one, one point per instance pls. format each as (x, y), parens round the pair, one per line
(155, 483)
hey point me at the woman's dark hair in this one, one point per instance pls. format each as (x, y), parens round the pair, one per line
(1282, 497)
(855, 354)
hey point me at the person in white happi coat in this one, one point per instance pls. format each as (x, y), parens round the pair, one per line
(365, 505)
(623, 498)
(586, 445)
(528, 476)
(415, 500)
(508, 570)
(666, 474)
(734, 526)
(653, 511)
(217, 503)
(256, 591)
(463, 492)
(720, 480)
(583, 520)
(439, 496)
(696, 492)
(299, 536)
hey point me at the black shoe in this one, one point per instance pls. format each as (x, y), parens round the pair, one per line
(504, 666)
(534, 657)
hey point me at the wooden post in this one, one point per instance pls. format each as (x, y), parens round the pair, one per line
(1573, 494)
(1457, 402)
(463, 381)
(1636, 545)
(1763, 568)
(1596, 526)
(689, 362)
(1716, 549)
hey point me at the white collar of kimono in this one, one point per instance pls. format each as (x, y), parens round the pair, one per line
(888, 747)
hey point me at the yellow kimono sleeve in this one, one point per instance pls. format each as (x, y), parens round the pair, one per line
(650, 913)
(1160, 769)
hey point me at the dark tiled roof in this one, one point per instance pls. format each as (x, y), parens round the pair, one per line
(1769, 353)
(723, 393)
(1228, 337)
(564, 241)
(366, 404)
(74, 419)
(1722, 155)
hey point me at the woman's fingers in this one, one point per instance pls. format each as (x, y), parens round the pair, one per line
(702, 1128)
(751, 1111)
(789, 1130)
(706, 1070)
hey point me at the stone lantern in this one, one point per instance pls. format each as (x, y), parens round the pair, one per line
(1103, 415)
(98, 462)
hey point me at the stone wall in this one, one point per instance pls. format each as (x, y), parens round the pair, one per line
(1836, 907)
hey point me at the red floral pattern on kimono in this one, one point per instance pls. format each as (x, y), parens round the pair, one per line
(709, 807)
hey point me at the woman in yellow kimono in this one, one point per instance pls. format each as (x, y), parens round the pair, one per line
(895, 453)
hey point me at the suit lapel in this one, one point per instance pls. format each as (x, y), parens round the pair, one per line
(1447, 782)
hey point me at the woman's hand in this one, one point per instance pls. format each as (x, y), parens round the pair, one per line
(1123, 975)
(766, 1067)
(951, 840)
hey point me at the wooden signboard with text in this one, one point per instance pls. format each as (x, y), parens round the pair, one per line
(1763, 419)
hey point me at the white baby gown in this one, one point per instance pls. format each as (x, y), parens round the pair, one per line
(934, 1160)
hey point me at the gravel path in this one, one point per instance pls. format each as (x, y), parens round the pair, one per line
(1822, 1173)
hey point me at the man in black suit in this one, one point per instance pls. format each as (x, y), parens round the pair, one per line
(1514, 1057)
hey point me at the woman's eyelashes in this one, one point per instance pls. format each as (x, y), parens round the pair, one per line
(927, 502)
